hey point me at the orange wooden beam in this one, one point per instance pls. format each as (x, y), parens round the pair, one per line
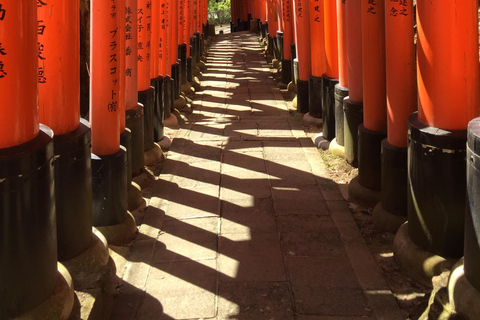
(342, 44)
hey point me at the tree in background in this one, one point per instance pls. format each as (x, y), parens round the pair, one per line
(219, 11)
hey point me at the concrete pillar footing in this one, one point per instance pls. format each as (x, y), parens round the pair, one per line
(165, 143)
(321, 142)
(201, 65)
(363, 196)
(282, 86)
(386, 221)
(60, 304)
(186, 88)
(309, 120)
(463, 296)
(336, 149)
(135, 199)
(122, 233)
(171, 121)
(292, 87)
(153, 155)
(179, 103)
(84, 265)
(418, 264)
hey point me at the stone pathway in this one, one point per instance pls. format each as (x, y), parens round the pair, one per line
(243, 221)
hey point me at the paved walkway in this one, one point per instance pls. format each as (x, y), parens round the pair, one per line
(243, 222)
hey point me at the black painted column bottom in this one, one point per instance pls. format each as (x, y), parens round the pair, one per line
(73, 191)
(370, 158)
(316, 96)
(340, 94)
(109, 180)
(353, 112)
(134, 121)
(394, 179)
(303, 97)
(328, 107)
(28, 264)
(147, 98)
(437, 188)
(158, 109)
(286, 71)
(472, 217)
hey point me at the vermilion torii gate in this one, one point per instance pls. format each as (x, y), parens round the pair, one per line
(47, 168)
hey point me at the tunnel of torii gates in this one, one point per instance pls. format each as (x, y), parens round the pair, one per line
(407, 119)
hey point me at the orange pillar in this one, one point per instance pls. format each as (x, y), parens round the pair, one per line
(330, 79)
(58, 64)
(401, 103)
(18, 65)
(341, 89)
(448, 98)
(28, 267)
(374, 84)
(287, 41)
(353, 104)
(342, 44)
(302, 29)
(373, 130)
(317, 42)
(105, 74)
(400, 70)
(146, 93)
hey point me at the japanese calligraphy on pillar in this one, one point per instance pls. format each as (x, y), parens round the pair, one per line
(317, 12)
(113, 60)
(287, 9)
(299, 12)
(130, 45)
(3, 51)
(168, 34)
(41, 56)
(399, 8)
(181, 17)
(372, 6)
(163, 27)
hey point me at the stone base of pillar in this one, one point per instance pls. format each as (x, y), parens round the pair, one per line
(134, 197)
(60, 304)
(463, 296)
(122, 233)
(87, 263)
(360, 195)
(385, 220)
(153, 155)
(336, 149)
(418, 264)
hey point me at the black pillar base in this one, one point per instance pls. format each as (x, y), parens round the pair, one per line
(109, 180)
(370, 158)
(147, 98)
(353, 112)
(189, 69)
(270, 46)
(293, 52)
(328, 107)
(167, 98)
(263, 30)
(286, 71)
(472, 217)
(316, 96)
(182, 54)
(295, 71)
(303, 96)
(437, 188)
(280, 45)
(197, 50)
(134, 121)
(232, 27)
(176, 80)
(73, 191)
(394, 179)
(340, 94)
(126, 141)
(28, 250)
(158, 109)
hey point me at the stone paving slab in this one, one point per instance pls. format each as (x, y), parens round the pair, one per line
(243, 221)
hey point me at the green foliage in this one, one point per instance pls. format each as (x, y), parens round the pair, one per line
(219, 12)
